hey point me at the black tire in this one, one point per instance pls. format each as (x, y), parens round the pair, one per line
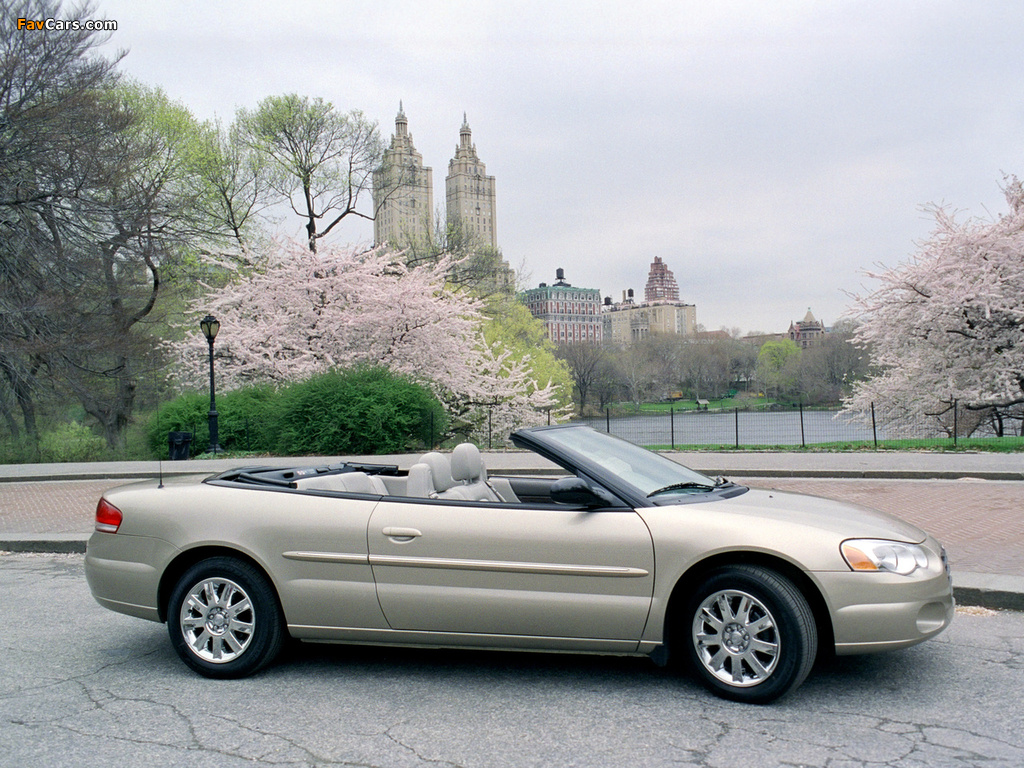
(224, 619)
(749, 633)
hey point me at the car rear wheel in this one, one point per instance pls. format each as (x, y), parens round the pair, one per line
(751, 634)
(224, 619)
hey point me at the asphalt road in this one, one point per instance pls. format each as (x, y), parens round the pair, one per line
(82, 686)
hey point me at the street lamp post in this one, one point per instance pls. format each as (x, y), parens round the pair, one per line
(210, 325)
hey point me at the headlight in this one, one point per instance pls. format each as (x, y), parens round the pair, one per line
(881, 555)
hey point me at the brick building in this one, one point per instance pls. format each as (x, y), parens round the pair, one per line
(570, 314)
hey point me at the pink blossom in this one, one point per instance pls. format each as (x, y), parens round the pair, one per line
(304, 313)
(949, 324)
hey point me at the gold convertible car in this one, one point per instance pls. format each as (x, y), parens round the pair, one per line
(629, 553)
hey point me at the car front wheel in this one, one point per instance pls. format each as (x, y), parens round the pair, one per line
(751, 634)
(224, 619)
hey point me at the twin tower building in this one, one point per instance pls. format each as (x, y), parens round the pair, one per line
(403, 197)
(403, 192)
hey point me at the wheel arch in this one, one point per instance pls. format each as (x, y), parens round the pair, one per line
(701, 570)
(185, 560)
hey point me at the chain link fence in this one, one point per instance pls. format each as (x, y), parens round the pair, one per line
(779, 426)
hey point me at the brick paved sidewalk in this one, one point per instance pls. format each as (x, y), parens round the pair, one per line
(980, 522)
(58, 506)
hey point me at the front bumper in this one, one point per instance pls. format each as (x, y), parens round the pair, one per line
(884, 611)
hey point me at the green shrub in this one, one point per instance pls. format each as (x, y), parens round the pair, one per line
(185, 413)
(360, 411)
(18, 450)
(246, 420)
(137, 447)
(71, 442)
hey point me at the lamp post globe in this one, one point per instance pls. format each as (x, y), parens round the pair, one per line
(210, 326)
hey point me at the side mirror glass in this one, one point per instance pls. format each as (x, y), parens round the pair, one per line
(576, 492)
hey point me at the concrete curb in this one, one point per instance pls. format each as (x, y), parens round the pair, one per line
(51, 543)
(986, 590)
(989, 590)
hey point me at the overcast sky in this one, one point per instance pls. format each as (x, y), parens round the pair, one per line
(769, 152)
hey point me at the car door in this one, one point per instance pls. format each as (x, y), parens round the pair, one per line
(543, 571)
(315, 545)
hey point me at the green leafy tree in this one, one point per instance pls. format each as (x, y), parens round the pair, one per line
(100, 201)
(509, 325)
(236, 184)
(151, 216)
(778, 367)
(52, 125)
(319, 159)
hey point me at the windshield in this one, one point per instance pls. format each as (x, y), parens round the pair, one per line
(648, 472)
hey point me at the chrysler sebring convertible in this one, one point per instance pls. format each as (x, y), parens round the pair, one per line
(627, 553)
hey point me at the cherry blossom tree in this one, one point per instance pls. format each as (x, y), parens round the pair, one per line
(306, 313)
(948, 326)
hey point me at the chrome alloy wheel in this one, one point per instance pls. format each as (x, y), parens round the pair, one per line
(735, 637)
(217, 620)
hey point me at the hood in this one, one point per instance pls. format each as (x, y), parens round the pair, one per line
(846, 519)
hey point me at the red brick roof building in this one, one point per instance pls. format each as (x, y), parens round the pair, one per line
(661, 283)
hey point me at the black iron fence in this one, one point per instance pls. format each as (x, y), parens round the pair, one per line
(804, 426)
(678, 428)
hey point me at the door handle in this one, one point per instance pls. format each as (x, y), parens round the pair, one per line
(401, 534)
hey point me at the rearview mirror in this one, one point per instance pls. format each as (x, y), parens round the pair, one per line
(576, 492)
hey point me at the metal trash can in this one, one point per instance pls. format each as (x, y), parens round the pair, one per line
(179, 445)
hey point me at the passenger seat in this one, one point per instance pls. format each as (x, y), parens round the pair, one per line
(440, 471)
(468, 469)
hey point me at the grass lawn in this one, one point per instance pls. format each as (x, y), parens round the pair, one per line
(727, 403)
(963, 445)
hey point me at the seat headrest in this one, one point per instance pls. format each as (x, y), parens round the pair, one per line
(419, 484)
(467, 465)
(440, 470)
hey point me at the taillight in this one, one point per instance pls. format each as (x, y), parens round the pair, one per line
(108, 517)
